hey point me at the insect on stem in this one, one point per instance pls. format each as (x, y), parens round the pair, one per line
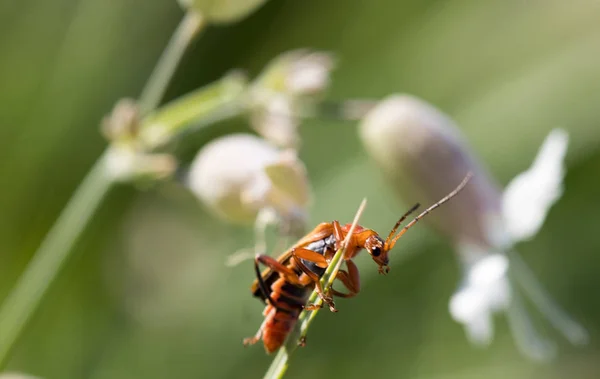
(336, 262)
(280, 362)
(306, 317)
(316, 249)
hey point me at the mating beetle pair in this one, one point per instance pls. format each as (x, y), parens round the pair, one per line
(288, 280)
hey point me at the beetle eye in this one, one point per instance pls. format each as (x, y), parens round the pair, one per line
(376, 251)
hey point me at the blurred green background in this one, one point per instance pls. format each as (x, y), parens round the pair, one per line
(147, 295)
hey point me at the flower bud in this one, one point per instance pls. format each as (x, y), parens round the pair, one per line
(222, 11)
(275, 120)
(285, 90)
(124, 164)
(123, 123)
(127, 159)
(239, 175)
(297, 72)
(423, 155)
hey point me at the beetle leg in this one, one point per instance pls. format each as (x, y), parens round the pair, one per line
(309, 255)
(338, 234)
(350, 279)
(339, 240)
(274, 265)
(302, 341)
(252, 340)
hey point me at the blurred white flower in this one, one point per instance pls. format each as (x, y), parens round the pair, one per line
(285, 91)
(244, 179)
(529, 196)
(485, 289)
(424, 155)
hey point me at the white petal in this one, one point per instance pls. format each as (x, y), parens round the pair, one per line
(469, 307)
(480, 331)
(120, 162)
(488, 270)
(499, 294)
(256, 191)
(289, 176)
(529, 196)
(467, 304)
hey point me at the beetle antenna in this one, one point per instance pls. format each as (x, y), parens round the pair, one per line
(404, 216)
(426, 211)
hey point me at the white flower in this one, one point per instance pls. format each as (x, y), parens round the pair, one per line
(424, 155)
(485, 289)
(244, 179)
(529, 196)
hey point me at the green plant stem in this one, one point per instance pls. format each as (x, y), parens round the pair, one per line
(190, 26)
(203, 106)
(279, 365)
(280, 362)
(47, 261)
(207, 105)
(43, 268)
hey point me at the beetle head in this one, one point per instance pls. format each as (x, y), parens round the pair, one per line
(376, 247)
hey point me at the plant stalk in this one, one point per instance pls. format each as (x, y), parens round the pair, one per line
(43, 268)
(190, 26)
(46, 263)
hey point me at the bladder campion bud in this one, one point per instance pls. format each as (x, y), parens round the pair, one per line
(126, 164)
(285, 91)
(222, 11)
(126, 158)
(123, 123)
(423, 154)
(240, 175)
